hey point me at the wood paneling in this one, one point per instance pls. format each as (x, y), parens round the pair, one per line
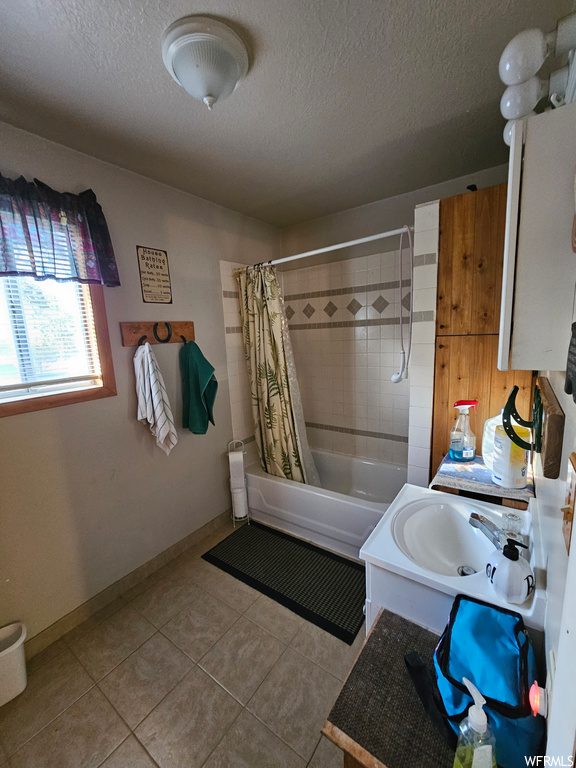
(552, 430)
(133, 332)
(470, 264)
(465, 369)
(354, 755)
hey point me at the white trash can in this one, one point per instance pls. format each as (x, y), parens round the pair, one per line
(12, 661)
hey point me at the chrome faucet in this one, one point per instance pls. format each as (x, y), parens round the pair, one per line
(488, 528)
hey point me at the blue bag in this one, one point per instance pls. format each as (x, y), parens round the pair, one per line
(490, 646)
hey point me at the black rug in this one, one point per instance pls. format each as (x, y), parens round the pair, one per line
(322, 587)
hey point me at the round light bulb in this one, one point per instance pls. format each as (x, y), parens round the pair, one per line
(523, 56)
(518, 100)
(508, 129)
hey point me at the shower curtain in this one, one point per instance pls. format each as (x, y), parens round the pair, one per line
(279, 426)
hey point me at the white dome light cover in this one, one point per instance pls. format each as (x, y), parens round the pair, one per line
(205, 56)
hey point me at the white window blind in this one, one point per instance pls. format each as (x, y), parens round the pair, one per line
(47, 338)
(54, 244)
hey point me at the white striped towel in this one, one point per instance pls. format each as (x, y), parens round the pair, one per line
(153, 404)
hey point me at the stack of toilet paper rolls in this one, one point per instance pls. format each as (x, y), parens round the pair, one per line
(238, 481)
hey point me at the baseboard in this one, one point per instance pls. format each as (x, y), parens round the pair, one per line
(97, 603)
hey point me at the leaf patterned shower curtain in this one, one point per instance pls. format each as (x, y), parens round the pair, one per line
(278, 421)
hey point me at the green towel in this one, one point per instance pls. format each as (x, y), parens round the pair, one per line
(199, 387)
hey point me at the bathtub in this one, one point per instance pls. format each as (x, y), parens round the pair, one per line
(339, 516)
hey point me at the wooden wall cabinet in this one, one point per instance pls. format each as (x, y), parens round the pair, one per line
(470, 263)
(467, 318)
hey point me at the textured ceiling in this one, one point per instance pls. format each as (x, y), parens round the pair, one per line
(346, 101)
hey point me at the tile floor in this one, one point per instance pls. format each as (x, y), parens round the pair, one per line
(190, 668)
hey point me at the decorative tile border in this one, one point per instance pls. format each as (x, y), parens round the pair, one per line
(349, 289)
(424, 259)
(419, 317)
(360, 432)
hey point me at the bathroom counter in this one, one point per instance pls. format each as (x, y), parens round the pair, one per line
(378, 720)
(474, 477)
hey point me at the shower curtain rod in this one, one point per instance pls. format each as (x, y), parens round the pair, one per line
(337, 247)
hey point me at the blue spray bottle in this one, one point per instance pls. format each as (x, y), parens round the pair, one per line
(462, 439)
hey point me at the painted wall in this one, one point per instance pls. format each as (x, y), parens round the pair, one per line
(376, 217)
(86, 496)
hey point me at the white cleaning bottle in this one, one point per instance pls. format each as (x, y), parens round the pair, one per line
(476, 742)
(488, 438)
(462, 439)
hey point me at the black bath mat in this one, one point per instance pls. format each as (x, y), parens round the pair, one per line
(322, 587)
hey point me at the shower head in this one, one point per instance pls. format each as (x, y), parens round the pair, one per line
(396, 377)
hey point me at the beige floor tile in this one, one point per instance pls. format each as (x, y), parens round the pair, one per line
(46, 655)
(234, 593)
(249, 744)
(242, 658)
(186, 726)
(84, 735)
(139, 683)
(295, 700)
(111, 642)
(198, 626)
(327, 651)
(327, 755)
(275, 618)
(130, 754)
(93, 621)
(165, 599)
(51, 689)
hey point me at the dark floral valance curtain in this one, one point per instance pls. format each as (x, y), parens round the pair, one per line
(47, 234)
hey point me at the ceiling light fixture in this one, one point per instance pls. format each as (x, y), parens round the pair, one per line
(205, 56)
(521, 61)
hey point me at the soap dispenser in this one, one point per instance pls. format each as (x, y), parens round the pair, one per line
(476, 743)
(510, 574)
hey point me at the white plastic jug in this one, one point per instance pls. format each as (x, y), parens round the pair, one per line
(488, 439)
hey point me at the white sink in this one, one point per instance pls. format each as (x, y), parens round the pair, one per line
(436, 535)
(414, 554)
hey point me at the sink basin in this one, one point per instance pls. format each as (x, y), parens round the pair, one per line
(436, 535)
(414, 554)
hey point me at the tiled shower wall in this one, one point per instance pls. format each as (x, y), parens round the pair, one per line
(345, 331)
(426, 235)
(344, 325)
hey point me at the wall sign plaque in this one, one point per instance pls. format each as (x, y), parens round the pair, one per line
(154, 275)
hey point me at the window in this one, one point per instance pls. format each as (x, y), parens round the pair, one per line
(54, 344)
(55, 256)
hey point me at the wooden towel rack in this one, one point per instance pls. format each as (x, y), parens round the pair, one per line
(172, 332)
